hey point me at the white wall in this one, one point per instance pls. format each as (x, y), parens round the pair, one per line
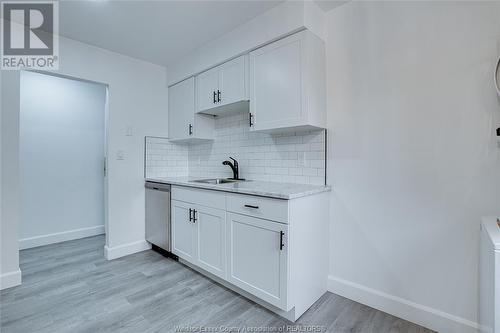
(414, 165)
(61, 159)
(10, 275)
(137, 98)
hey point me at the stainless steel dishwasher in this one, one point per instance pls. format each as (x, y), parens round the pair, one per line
(158, 228)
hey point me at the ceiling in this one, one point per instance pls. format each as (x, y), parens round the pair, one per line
(159, 31)
(155, 31)
(328, 5)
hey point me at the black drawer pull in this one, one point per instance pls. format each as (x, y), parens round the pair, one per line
(252, 206)
(194, 216)
(281, 240)
(215, 97)
(190, 214)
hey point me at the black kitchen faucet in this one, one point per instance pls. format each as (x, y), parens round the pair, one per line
(234, 167)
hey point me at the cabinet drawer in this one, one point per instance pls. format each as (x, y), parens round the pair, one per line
(206, 198)
(265, 208)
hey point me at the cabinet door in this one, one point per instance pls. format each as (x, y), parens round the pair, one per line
(211, 246)
(181, 109)
(258, 258)
(276, 89)
(207, 84)
(233, 81)
(183, 231)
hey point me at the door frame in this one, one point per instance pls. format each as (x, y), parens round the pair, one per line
(106, 133)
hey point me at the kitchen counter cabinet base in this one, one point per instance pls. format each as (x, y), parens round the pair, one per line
(293, 275)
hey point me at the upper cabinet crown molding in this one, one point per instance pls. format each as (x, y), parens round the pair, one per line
(223, 88)
(288, 84)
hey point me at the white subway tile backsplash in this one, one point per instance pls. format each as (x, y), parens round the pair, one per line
(294, 157)
(164, 159)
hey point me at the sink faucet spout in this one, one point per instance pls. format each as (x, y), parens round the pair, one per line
(234, 166)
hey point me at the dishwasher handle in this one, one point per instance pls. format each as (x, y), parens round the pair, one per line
(157, 186)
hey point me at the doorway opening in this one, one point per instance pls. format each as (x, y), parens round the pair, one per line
(62, 159)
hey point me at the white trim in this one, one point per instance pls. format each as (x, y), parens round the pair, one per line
(58, 237)
(426, 316)
(10, 279)
(124, 250)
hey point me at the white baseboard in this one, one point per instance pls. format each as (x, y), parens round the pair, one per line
(10, 279)
(124, 250)
(58, 237)
(434, 319)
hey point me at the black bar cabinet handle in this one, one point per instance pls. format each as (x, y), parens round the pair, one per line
(190, 216)
(281, 240)
(215, 96)
(250, 119)
(194, 216)
(252, 206)
(190, 129)
(218, 96)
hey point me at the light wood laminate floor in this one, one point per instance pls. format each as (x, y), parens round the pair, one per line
(70, 287)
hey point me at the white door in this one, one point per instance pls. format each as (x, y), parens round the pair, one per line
(183, 231)
(207, 85)
(211, 246)
(232, 81)
(181, 109)
(276, 84)
(257, 258)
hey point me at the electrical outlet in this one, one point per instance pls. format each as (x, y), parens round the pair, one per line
(129, 131)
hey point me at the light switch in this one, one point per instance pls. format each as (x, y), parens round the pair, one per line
(120, 155)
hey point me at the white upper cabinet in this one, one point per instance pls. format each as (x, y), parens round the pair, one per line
(207, 85)
(288, 84)
(224, 88)
(183, 123)
(233, 81)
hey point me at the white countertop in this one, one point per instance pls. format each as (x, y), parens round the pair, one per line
(252, 187)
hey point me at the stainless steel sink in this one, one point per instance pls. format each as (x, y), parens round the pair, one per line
(217, 181)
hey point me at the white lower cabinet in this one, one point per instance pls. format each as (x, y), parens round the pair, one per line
(271, 250)
(258, 257)
(211, 246)
(198, 236)
(183, 231)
